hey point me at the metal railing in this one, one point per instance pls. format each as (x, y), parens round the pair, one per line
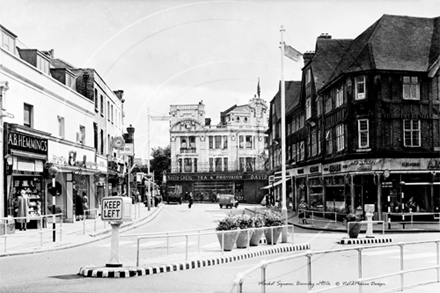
(40, 231)
(200, 233)
(411, 215)
(313, 219)
(238, 281)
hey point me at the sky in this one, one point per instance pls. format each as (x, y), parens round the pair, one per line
(163, 52)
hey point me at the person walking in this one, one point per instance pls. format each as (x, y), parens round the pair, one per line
(302, 209)
(23, 209)
(79, 208)
(190, 200)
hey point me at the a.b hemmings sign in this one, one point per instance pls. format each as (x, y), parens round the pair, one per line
(116, 208)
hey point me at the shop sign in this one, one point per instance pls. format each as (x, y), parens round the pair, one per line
(315, 169)
(335, 168)
(24, 142)
(101, 164)
(128, 150)
(410, 164)
(171, 177)
(362, 165)
(434, 164)
(387, 184)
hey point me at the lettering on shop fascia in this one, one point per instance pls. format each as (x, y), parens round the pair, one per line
(411, 164)
(434, 164)
(24, 142)
(215, 177)
(71, 161)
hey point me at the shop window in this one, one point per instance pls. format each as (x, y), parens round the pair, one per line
(28, 115)
(411, 133)
(360, 88)
(363, 133)
(411, 88)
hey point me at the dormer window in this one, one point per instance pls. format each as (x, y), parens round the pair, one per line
(8, 41)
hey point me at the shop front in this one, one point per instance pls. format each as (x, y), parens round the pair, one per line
(26, 152)
(75, 180)
(206, 186)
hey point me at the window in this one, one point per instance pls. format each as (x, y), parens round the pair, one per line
(363, 133)
(43, 64)
(225, 164)
(328, 104)
(82, 135)
(61, 126)
(183, 143)
(302, 151)
(218, 142)
(360, 88)
(318, 106)
(195, 164)
(95, 98)
(218, 164)
(102, 105)
(180, 166)
(28, 115)
(211, 164)
(339, 96)
(308, 108)
(314, 148)
(102, 142)
(187, 165)
(211, 142)
(241, 141)
(319, 141)
(328, 142)
(8, 42)
(248, 141)
(95, 136)
(108, 110)
(289, 154)
(411, 88)
(294, 153)
(225, 142)
(242, 164)
(111, 113)
(294, 124)
(308, 76)
(340, 138)
(192, 142)
(411, 133)
(301, 121)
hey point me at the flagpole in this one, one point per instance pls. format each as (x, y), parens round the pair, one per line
(283, 141)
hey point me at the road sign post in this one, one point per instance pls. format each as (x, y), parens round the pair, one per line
(116, 210)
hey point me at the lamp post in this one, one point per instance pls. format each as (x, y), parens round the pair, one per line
(283, 142)
(53, 171)
(3, 88)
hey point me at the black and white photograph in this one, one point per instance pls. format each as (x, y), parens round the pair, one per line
(232, 146)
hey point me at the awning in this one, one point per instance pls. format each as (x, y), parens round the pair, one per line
(273, 185)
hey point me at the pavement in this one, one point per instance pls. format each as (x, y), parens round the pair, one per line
(91, 230)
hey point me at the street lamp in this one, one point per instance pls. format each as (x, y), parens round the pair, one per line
(53, 171)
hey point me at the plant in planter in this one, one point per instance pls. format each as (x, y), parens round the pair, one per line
(354, 228)
(228, 231)
(273, 218)
(258, 221)
(244, 222)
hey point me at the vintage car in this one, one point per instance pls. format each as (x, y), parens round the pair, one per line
(227, 200)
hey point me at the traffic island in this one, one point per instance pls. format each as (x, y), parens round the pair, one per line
(366, 240)
(212, 259)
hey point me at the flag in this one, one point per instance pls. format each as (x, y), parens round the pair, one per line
(160, 118)
(291, 53)
(258, 87)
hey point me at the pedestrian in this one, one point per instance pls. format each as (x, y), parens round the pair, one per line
(23, 209)
(85, 202)
(190, 200)
(79, 208)
(302, 209)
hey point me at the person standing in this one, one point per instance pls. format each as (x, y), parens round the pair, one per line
(190, 199)
(79, 208)
(302, 211)
(23, 209)
(85, 202)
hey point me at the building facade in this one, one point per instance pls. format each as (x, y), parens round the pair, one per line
(370, 131)
(228, 158)
(47, 122)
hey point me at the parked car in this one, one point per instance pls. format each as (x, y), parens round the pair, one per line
(227, 200)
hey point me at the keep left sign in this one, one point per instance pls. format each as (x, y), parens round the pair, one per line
(116, 208)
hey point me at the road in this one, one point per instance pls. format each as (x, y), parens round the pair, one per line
(57, 271)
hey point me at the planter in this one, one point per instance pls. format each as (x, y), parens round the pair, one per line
(354, 229)
(276, 235)
(230, 237)
(256, 236)
(244, 238)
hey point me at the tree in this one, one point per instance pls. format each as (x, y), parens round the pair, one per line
(161, 162)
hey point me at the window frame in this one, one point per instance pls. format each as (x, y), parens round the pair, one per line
(340, 137)
(412, 86)
(412, 131)
(308, 108)
(358, 96)
(363, 131)
(28, 108)
(61, 127)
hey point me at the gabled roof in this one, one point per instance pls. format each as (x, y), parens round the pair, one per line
(399, 43)
(327, 55)
(293, 90)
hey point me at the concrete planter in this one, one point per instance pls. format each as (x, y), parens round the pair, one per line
(230, 237)
(243, 238)
(256, 236)
(276, 235)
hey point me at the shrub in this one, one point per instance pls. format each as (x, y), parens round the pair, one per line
(245, 221)
(273, 218)
(352, 218)
(258, 220)
(228, 223)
